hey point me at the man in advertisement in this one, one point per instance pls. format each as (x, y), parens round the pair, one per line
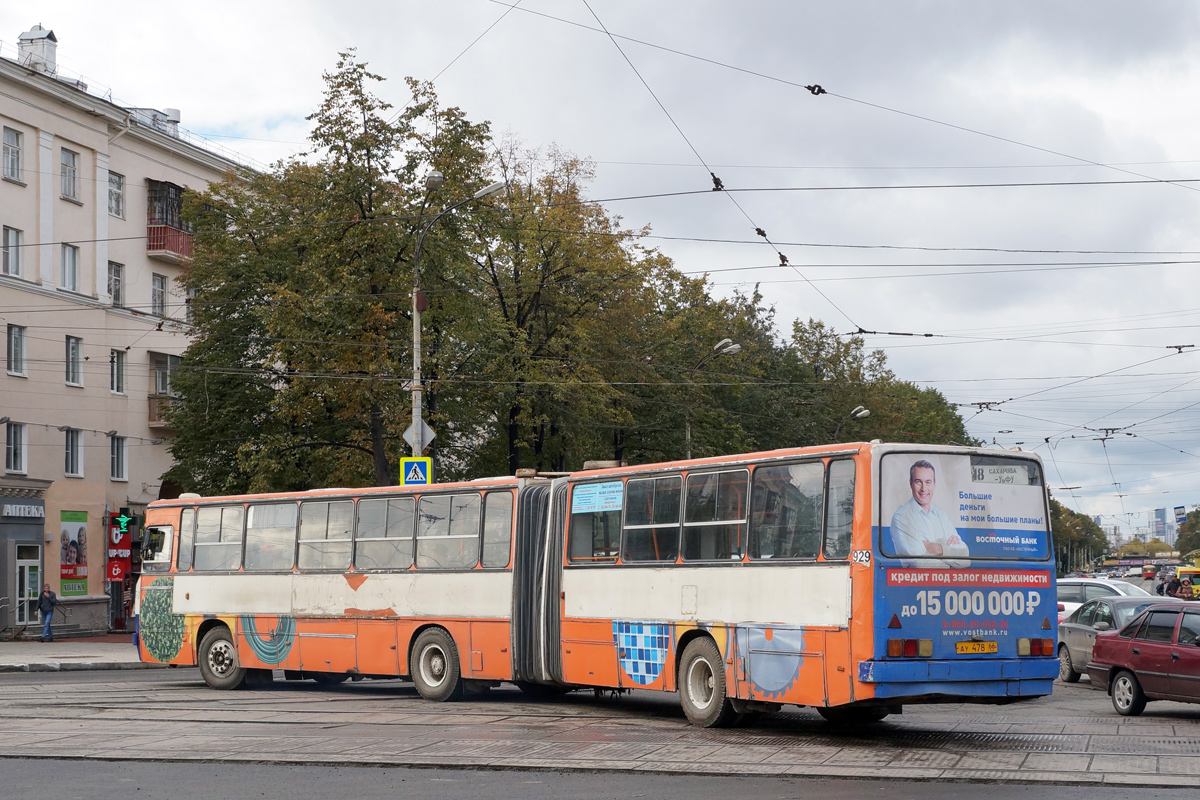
(919, 529)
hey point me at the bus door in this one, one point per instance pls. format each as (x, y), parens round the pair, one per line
(537, 582)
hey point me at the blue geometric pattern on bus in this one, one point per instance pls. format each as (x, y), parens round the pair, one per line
(774, 661)
(278, 642)
(642, 649)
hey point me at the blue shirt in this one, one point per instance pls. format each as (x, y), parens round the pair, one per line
(913, 526)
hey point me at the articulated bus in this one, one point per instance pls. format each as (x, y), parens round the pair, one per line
(852, 578)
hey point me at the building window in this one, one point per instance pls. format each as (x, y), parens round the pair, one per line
(10, 252)
(15, 445)
(158, 295)
(165, 205)
(116, 283)
(162, 366)
(117, 460)
(74, 361)
(73, 465)
(70, 267)
(70, 175)
(16, 350)
(116, 195)
(116, 369)
(12, 154)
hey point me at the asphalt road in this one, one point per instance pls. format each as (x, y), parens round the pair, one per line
(51, 779)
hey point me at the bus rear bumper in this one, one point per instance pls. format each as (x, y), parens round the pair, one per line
(992, 677)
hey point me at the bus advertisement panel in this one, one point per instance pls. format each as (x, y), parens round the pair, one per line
(964, 572)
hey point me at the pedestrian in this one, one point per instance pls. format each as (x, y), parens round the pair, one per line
(1162, 585)
(47, 600)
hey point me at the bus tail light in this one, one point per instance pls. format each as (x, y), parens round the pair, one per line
(1035, 647)
(910, 648)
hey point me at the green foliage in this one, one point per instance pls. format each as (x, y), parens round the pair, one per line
(1189, 532)
(552, 336)
(1077, 538)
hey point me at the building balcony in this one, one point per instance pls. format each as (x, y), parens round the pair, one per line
(160, 404)
(167, 243)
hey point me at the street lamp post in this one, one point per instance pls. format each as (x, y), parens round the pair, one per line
(725, 347)
(432, 184)
(859, 412)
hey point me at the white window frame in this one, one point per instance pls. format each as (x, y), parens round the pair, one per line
(70, 267)
(12, 155)
(116, 278)
(116, 195)
(15, 360)
(116, 371)
(73, 453)
(16, 448)
(74, 361)
(69, 174)
(10, 252)
(118, 458)
(158, 295)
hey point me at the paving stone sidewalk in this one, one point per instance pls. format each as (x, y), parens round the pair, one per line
(114, 651)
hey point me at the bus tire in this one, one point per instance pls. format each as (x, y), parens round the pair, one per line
(219, 665)
(435, 667)
(841, 715)
(1066, 670)
(1127, 696)
(702, 686)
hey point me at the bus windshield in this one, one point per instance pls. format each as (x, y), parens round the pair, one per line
(945, 510)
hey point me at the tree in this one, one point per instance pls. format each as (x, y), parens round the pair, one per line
(1189, 532)
(1077, 538)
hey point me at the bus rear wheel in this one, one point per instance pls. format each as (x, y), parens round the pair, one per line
(219, 664)
(435, 668)
(702, 686)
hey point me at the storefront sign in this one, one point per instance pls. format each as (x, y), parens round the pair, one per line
(14, 510)
(73, 555)
(120, 544)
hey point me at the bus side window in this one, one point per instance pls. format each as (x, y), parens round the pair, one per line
(187, 524)
(839, 510)
(156, 548)
(714, 523)
(325, 533)
(385, 533)
(497, 529)
(270, 536)
(786, 511)
(652, 519)
(448, 531)
(218, 538)
(595, 531)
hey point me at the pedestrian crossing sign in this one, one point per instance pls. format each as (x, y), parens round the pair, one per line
(416, 471)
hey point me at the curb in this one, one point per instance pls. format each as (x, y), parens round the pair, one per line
(78, 666)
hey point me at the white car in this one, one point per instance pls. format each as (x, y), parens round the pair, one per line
(1074, 592)
(1133, 572)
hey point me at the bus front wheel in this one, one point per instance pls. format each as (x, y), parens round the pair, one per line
(702, 686)
(219, 664)
(436, 671)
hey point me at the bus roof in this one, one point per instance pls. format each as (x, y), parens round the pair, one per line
(479, 483)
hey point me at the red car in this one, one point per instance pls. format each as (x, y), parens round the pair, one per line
(1155, 657)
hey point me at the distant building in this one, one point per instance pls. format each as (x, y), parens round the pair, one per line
(94, 320)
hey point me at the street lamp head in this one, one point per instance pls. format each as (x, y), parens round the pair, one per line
(732, 349)
(860, 412)
(722, 343)
(434, 181)
(490, 191)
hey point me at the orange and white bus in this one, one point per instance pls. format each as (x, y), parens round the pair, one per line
(853, 578)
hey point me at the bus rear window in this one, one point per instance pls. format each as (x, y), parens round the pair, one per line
(943, 510)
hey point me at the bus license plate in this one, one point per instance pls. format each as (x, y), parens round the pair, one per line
(975, 648)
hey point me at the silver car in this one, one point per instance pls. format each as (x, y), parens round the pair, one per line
(1074, 592)
(1077, 633)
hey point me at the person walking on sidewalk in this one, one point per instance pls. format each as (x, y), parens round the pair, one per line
(47, 600)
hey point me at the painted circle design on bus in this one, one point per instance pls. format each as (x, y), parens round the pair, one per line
(774, 659)
(642, 649)
(160, 629)
(274, 646)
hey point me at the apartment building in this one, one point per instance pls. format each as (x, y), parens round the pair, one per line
(94, 319)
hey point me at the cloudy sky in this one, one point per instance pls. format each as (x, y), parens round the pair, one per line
(1053, 306)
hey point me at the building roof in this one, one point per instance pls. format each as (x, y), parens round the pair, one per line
(36, 33)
